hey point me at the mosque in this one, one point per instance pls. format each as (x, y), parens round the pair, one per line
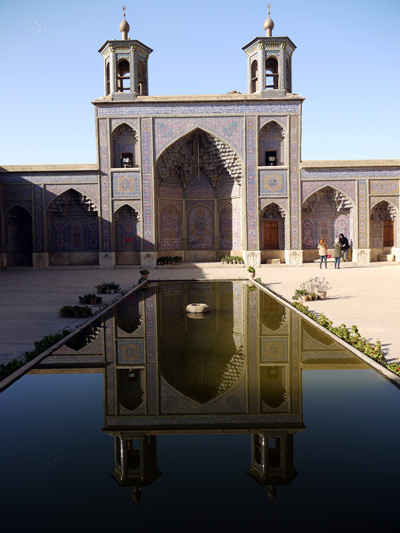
(197, 177)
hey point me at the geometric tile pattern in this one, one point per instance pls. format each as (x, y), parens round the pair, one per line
(273, 183)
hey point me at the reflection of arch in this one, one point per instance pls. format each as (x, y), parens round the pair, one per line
(130, 388)
(273, 314)
(271, 144)
(272, 231)
(200, 225)
(383, 215)
(127, 315)
(124, 147)
(72, 223)
(326, 213)
(19, 236)
(316, 334)
(272, 386)
(170, 228)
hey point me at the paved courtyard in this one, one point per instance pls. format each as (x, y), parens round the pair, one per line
(368, 297)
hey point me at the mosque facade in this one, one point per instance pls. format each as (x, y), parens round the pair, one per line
(197, 177)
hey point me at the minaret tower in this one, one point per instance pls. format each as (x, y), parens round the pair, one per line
(125, 66)
(269, 64)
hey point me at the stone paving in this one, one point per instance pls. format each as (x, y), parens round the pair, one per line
(368, 297)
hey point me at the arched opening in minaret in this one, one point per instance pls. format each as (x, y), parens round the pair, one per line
(271, 73)
(127, 245)
(383, 230)
(73, 230)
(124, 147)
(325, 215)
(288, 75)
(142, 84)
(108, 86)
(198, 181)
(123, 76)
(254, 76)
(271, 145)
(19, 236)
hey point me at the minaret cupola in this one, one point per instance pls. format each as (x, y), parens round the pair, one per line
(125, 66)
(270, 62)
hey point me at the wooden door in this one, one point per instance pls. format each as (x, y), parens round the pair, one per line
(388, 233)
(271, 235)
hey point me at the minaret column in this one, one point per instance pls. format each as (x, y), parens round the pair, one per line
(133, 70)
(261, 67)
(248, 73)
(113, 71)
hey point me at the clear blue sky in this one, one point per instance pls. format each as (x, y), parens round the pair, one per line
(346, 65)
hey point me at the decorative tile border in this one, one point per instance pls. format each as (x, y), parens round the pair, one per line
(126, 184)
(252, 212)
(240, 108)
(281, 120)
(47, 177)
(362, 214)
(273, 183)
(353, 173)
(384, 187)
(17, 192)
(151, 348)
(38, 219)
(105, 192)
(274, 350)
(130, 352)
(148, 216)
(281, 202)
(294, 180)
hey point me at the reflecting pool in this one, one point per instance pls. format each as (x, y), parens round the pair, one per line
(247, 417)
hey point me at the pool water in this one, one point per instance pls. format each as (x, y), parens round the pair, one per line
(247, 417)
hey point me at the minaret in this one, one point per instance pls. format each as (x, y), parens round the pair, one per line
(125, 66)
(270, 62)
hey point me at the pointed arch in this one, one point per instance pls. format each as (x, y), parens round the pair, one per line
(326, 213)
(73, 229)
(124, 146)
(18, 236)
(170, 228)
(254, 76)
(272, 226)
(200, 227)
(383, 217)
(271, 144)
(127, 243)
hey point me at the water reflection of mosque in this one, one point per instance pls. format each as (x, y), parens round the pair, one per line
(236, 370)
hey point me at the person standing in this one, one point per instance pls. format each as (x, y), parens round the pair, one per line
(345, 246)
(323, 252)
(337, 252)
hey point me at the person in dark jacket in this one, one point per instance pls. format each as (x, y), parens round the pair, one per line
(345, 246)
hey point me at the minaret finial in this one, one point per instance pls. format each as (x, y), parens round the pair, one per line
(124, 27)
(269, 24)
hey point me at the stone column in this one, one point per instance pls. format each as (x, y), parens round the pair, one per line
(261, 67)
(133, 70)
(113, 71)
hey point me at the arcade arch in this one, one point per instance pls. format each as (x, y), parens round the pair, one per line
(19, 236)
(325, 214)
(383, 229)
(198, 180)
(73, 230)
(272, 232)
(127, 245)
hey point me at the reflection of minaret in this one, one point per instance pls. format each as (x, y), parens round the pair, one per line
(135, 461)
(272, 459)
